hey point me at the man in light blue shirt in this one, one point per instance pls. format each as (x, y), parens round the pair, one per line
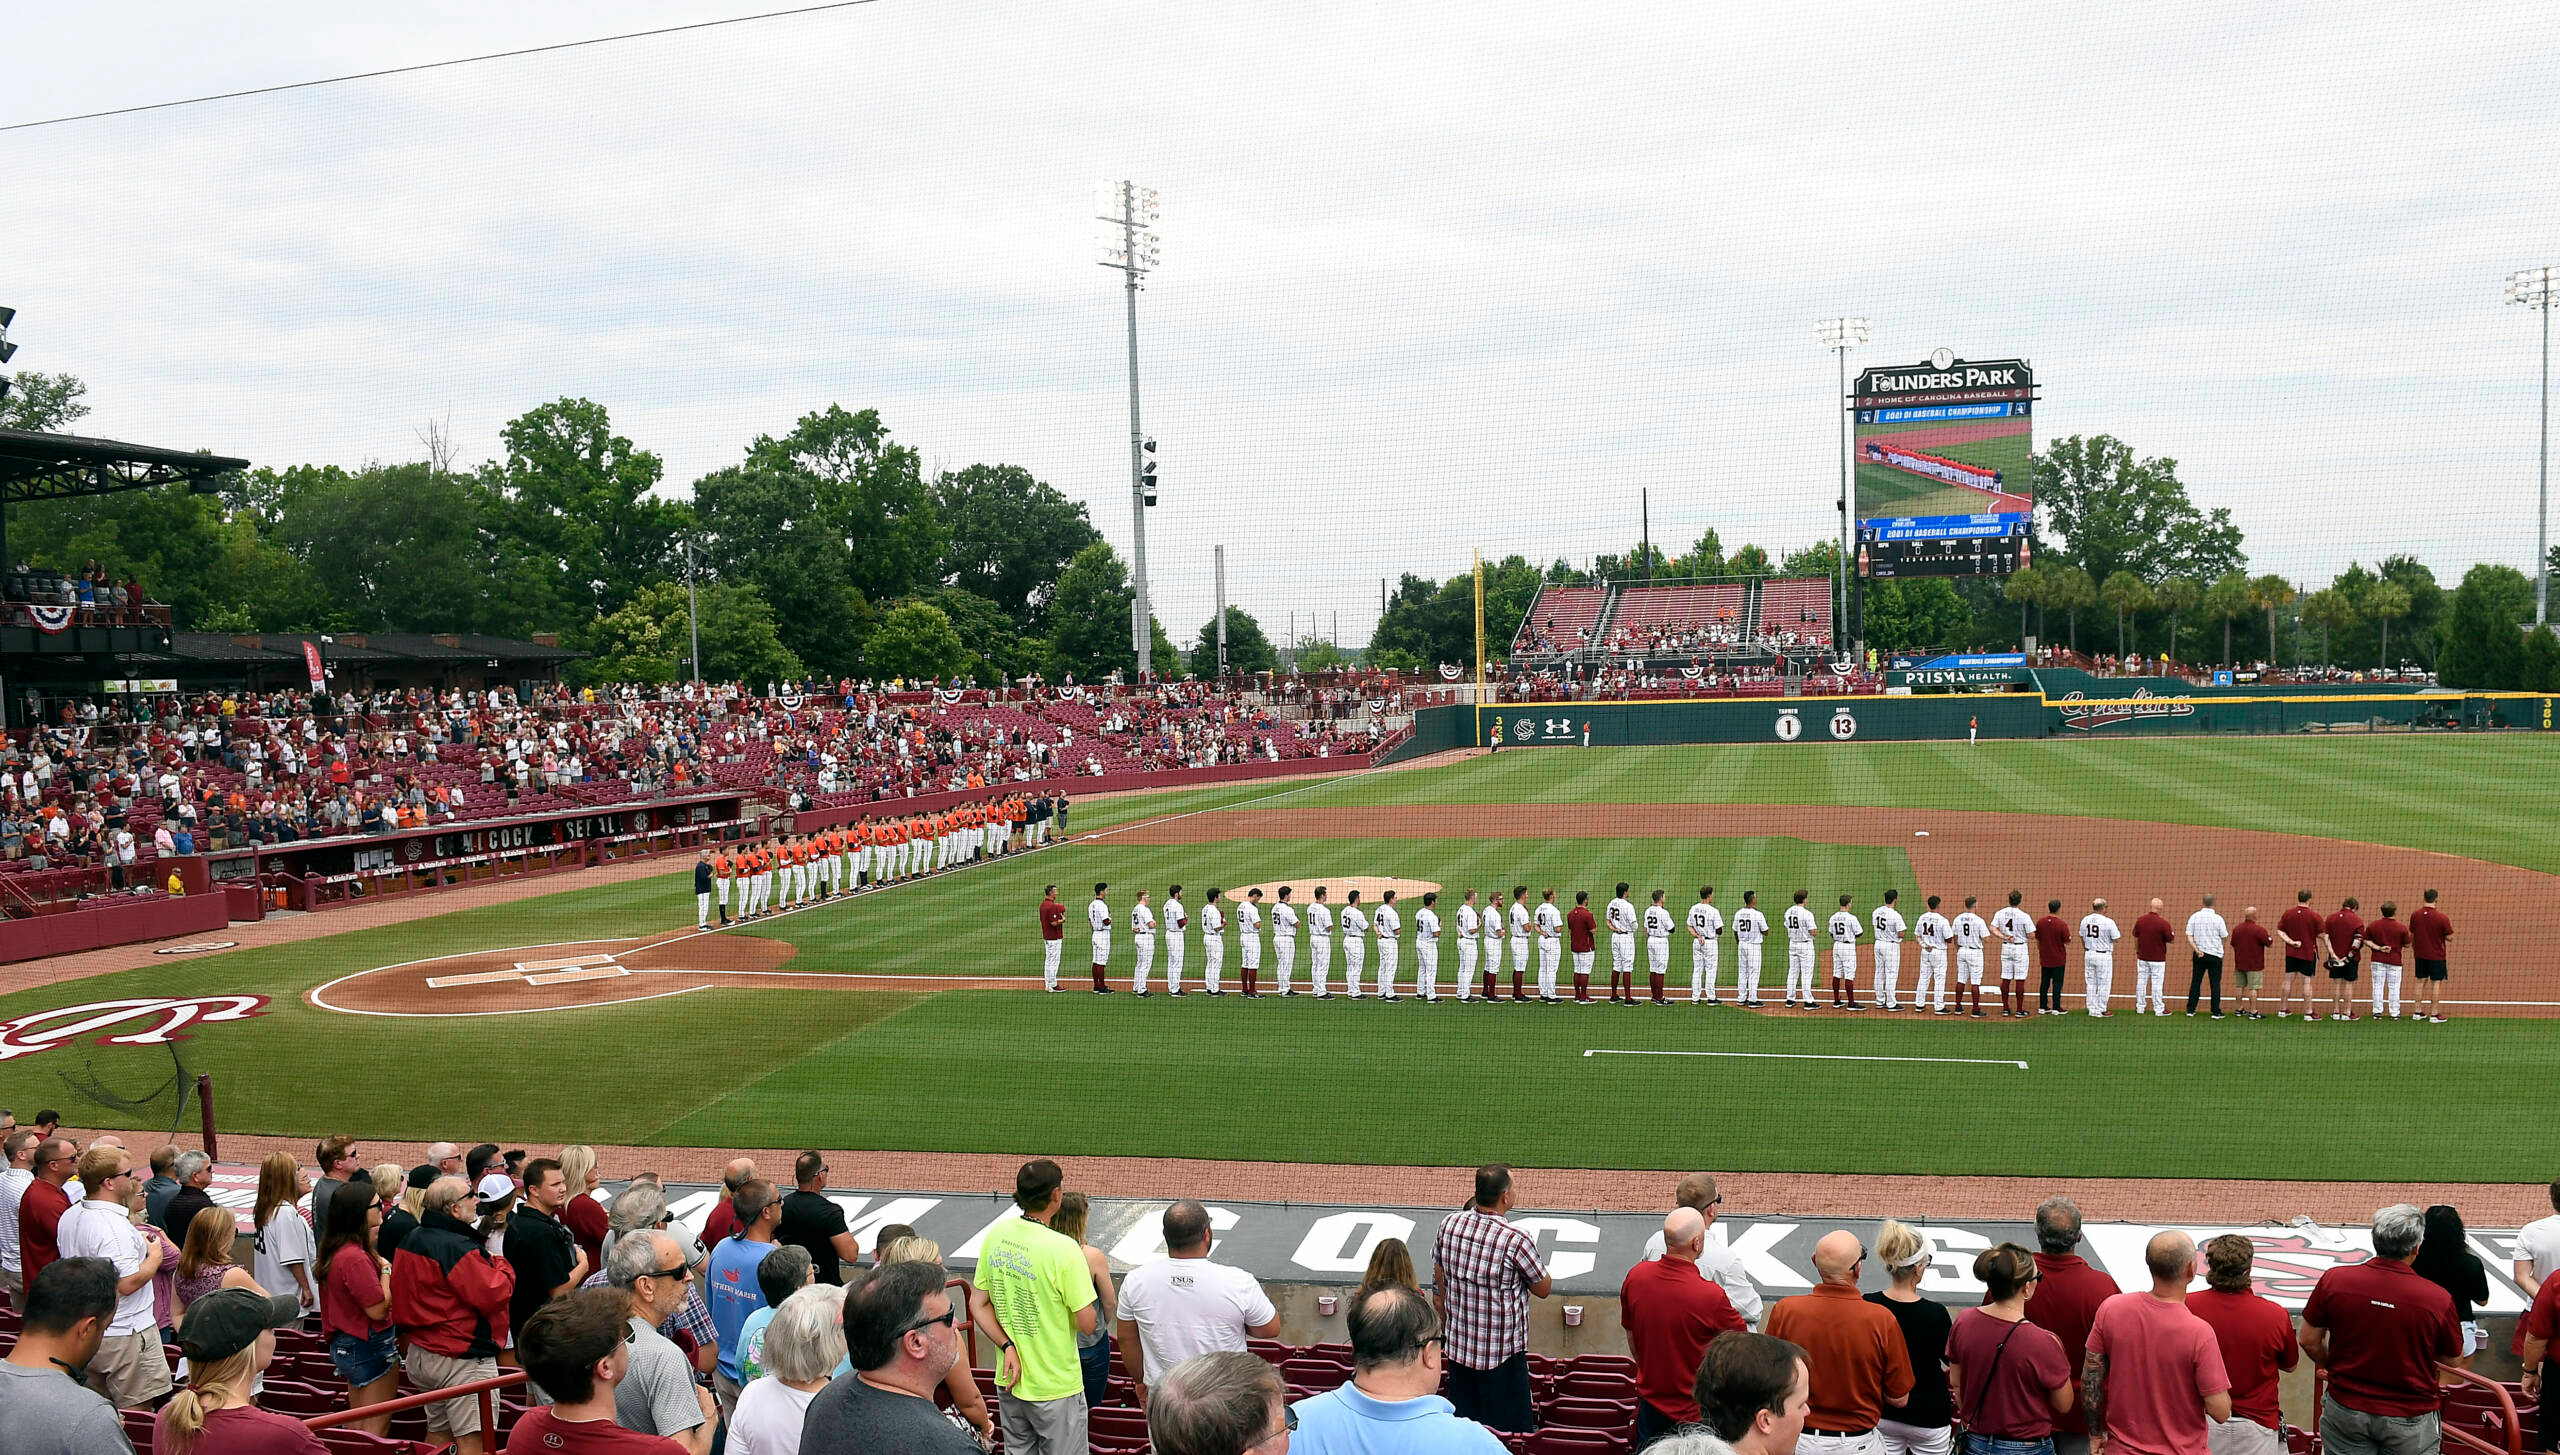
(1392, 1405)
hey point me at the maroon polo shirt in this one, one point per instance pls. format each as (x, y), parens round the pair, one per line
(2387, 1328)
(2151, 937)
(1580, 923)
(2428, 930)
(40, 1210)
(2345, 929)
(2053, 946)
(2256, 1336)
(2386, 935)
(2249, 941)
(1671, 1315)
(2301, 924)
(2064, 1304)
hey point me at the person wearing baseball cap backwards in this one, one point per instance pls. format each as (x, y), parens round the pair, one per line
(229, 1339)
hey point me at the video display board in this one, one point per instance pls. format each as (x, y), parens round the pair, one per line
(1941, 456)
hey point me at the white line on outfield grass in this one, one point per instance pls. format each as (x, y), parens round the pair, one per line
(1812, 1056)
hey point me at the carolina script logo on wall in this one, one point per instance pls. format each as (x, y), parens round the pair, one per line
(2079, 713)
(45, 1029)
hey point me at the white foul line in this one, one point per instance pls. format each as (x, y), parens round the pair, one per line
(1810, 1056)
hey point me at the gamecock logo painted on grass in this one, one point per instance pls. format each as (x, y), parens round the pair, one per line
(45, 1029)
(2080, 714)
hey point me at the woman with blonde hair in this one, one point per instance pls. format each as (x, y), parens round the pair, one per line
(967, 1400)
(1390, 1263)
(1093, 1350)
(1925, 1425)
(387, 1179)
(583, 1216)
(204, 1264)
(229, 1339)
(284, 1241)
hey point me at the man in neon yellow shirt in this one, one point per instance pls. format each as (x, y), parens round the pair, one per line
(1035, 1295)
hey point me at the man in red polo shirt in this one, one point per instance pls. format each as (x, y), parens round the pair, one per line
(1582, 928)
(2380, 1329)
(2249, 942)
(2151, 937)
(2068, 1292)
(2344, 937)
(2428, 930)
(2387, 936)
(1672, 1312)
(2053, 949)
(1053, 935)
(2299, 929)
(2153, 1380)
(2257, 1342)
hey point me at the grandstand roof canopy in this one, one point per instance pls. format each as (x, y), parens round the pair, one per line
(39, 466)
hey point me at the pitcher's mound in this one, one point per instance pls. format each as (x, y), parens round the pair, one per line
(1371, 887)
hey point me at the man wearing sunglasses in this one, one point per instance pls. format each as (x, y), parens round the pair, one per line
(40, 1210)
(1393, 1401)
(657, 1394)
(901, 1335)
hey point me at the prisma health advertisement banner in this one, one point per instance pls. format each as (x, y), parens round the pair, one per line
(1941, 456)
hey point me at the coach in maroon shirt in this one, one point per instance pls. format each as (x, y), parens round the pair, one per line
(2299, 928)
(2068, 1292)
(2249, 941)
(2428, 930)
(2345, 935)
(2380, 1330)
(2256, 1336)
(2151, 937)
(1672, 1312)
(2388, 937)
(1580, 925)
(2053, 947)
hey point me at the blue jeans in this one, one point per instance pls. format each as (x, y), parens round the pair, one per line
(1096, 1359)
(1993, 1445)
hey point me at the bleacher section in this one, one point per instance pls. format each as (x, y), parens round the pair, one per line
(1562, 619)
(1795, 611)
(1677, 618)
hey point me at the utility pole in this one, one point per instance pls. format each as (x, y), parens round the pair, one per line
(1645, 506)
(1130, 207)
(1222, 611)
(692, 615)
(2539, 288)
(1840, 335)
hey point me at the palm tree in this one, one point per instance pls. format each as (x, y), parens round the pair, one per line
(2071, 590)
(2026, 587)
(2328, 608)
(2227, 599)
(2270, 594)
(2124, 593)
(2177, 596)
(2385, 601)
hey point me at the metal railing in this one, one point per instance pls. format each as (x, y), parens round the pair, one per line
(483, 1390)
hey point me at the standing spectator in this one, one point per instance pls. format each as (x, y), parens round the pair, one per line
(574, 1351)
(449, 1299)
(2206, 934)
(194, 1174)
(161, 1187)
(735, 1290)
(1717, 1261)
(2153, 1377)
(445, 1158)
(1093, 1348)
(657, 1394)
(960, 1386)
(2067, 1294)
(1753, 1396)
(2249, 942)
(785, 1271)
(2380, 1330)
(2429, 929)
(128, 1366)
(1671, 1314)
(1925, 1424)
(44, 1407)
(41, 1207)
(2537, 1252)
(229, 1338)
(584, 1215)
(1390, 1262)
(204, 1262)
(2008, 1375)
(2256, 1338)
(812, 1220)
(17, 1171)
(1035, 1294)
(338, 1161)
(802, 1346)
(2445, 1259)
(900, 1338)
(2536, 1333)
(1393, 1401)
(1222, 1403)
(1183, 1305)
(284, 1247)
(1853, 1348)
(722, 1224)
(546, 1259)
(355, 1302)
(1485, 1271)
(401, 1219)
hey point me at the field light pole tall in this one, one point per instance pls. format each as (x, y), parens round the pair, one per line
(1840, 335)
(2536, 288)
(1131, 208)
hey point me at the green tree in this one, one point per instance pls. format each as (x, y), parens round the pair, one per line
(915, 641)
(396, 547)
(2025, 586)
(2270, 594)
(2125, 594)
(996, 650)
(1089, 617)
(1562, 573)
(1248, 649)
(1748, 561)
(2116, 512)
(649, 639)
(46, 403)
(2482, 648)
(2329, 609)
(2226, 601)
(2539, 661)
(766, 524)
(872, 493)
(1819, 559)
(1428, 621)
(2070, 588)
(1319, 656)
(2177, 596)
(1921, 612)
(1509, 587)
(1010, 537)
(1706, 558)
(2384, 602)
(577, 496)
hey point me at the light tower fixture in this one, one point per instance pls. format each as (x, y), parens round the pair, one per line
(2536, 288)
(1129, 210)
(1840, 335)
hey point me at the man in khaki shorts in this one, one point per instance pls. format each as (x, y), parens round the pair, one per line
(128, 1367)
(450, 1298)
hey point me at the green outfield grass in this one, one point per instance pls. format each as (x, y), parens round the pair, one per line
(1014, 1071)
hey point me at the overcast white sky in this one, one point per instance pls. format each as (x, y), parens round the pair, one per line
(1438, 277)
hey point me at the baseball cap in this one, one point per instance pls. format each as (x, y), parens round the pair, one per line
(496, 1186)
(423, 1175)
(228, 1320)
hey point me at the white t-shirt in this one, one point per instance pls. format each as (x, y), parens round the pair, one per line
(1799, 924)
(1426, 924)
(286, 1240)
(768, 1418)
(1657, 922)
(2014, 926)
(1889, 925)
(1971, 931)
(1933, 931)
(2206, 931)
(105, 1230)
(1844, 928)
(1749, 925)
(2538, 1243)
(2098, 934)
(13, 1189)
(1187, 1306)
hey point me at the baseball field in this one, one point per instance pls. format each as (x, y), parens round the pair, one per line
(911, 1018)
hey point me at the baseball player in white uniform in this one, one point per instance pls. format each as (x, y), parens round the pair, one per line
(2098, 936)
(1933, 932)
(1176, 920)
(1750, 928)
(1284, 939)
(1550, 944)
(1470, 924)
(1355, 941)
(1520, 939)
(1249, 940)
(1213, 941)
(1706, 924)
(1657, 945)
(1426, 947)
(1320, 944)
(1388, 925)
(1845, 929)
(1971, 932)
(1889, 929)
(1799, 926)
(2017, 931)
(1098, 915)
(1622, 948)
(1142, 934)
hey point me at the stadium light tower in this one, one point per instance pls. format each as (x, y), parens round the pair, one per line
(2536, 288)
(1840, 335)
(1130, 209)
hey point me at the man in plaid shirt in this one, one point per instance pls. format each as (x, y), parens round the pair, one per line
(1484, 1271)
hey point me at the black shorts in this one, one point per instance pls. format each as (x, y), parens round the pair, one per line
(2342, 970)
(2431, 969)
(2293, 966)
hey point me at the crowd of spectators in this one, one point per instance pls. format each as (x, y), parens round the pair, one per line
(96, 597)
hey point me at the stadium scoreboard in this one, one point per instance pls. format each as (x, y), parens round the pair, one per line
(1942, 454)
